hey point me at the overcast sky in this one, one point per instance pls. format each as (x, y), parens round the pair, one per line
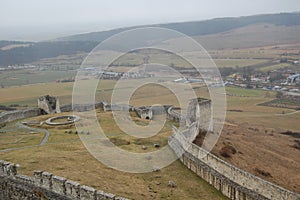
(47, 19)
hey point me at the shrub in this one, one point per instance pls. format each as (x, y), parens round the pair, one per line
(227, 151)
(262, 172)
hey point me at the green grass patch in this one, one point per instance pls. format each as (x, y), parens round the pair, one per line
(242, 92)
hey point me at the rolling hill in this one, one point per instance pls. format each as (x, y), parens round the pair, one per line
(197, 28)
(239, 32)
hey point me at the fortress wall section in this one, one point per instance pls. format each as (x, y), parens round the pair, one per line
(10, 116)
(228, 179)
(44, 185)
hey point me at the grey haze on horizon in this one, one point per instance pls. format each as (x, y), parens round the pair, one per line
(36, 20)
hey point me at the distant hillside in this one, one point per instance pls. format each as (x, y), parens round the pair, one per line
(39, 50)
(213, 34)
(201, 27)
(255, 35)
(5, 43)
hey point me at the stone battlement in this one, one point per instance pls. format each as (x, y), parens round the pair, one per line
(44, 185)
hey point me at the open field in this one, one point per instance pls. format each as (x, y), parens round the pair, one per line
(65, 155)
(26, 77)
(242, 112)
(255, 35)
(264, 58)
(233, 62)
(12, 139)
(28, 94)
(263, 150)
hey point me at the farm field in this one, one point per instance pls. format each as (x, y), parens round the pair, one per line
(26, 77)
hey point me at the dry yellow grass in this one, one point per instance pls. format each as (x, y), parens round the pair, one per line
(261, 148)
(65, 155)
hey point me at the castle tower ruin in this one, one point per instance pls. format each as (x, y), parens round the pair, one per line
(48, 104)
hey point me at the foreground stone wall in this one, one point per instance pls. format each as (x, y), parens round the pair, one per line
(44, 185)
(228, 179)
(10, 116)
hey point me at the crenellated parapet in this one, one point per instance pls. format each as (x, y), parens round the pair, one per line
(46, 185)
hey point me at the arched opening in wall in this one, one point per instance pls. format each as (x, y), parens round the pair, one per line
(151, 102)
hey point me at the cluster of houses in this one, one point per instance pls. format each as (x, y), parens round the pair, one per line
(116, 75)
(17, 67)
(123, 75)
(282, 79)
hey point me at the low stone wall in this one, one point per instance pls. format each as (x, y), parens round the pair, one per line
(116, 107)
(70, 119)
(44, 185)
(10, 116)
(80, 107)
(228, 179)
(175, 116)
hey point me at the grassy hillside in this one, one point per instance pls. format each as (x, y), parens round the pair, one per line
(255, 35)
(37, 51)
(206, 27)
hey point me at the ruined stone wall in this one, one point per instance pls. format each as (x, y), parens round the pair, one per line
(199, 111)
(198, 114)
(144, 112)
(44, 185)
(80, 107)
(175, 116)
(116, 107)
(49, 104)
(10, 116)
(228, 179)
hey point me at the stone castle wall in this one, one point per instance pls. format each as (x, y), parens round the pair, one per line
(175, 116)
(49, 104)
(144, 112)
(10, 116)
(228, 179)
(44, 185)
(80, 107)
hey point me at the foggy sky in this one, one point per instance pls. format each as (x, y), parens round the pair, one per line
(47, 19)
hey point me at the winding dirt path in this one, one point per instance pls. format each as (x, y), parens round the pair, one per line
(43, 142)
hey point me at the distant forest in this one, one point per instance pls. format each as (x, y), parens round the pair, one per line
(39, 50)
